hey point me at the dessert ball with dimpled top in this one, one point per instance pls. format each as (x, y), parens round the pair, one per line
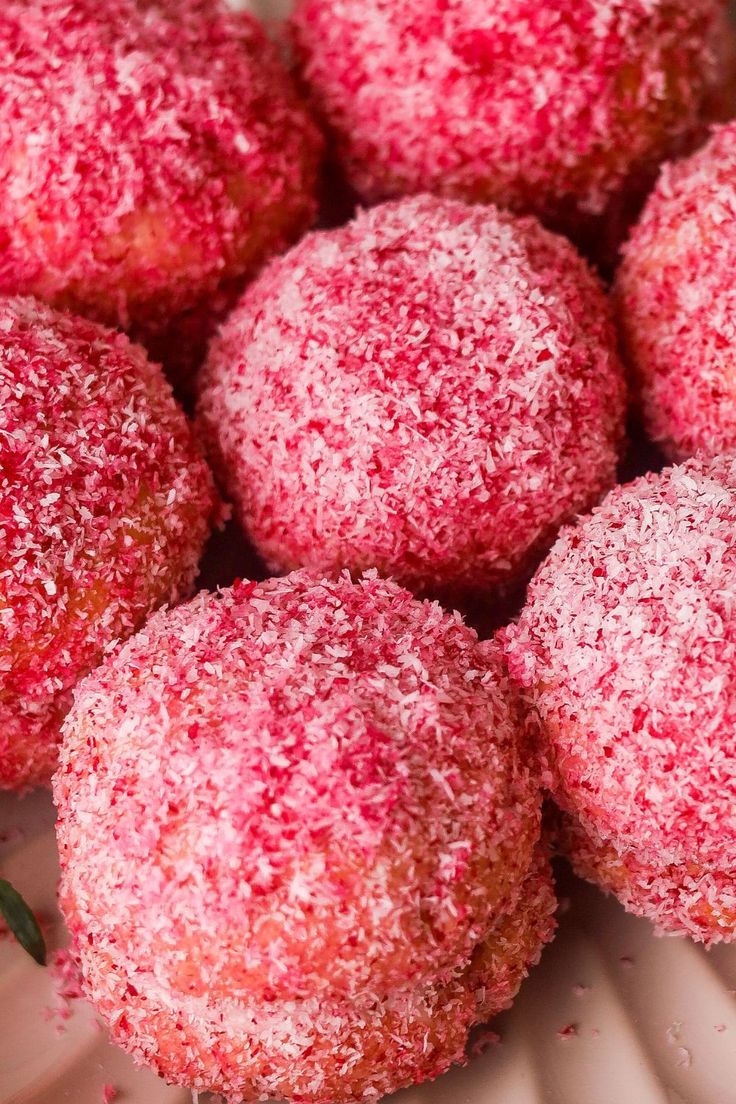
(299, 831)
(105, 505)
(430, 390)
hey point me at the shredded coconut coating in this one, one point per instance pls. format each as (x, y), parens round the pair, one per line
(676, 897)
(298, 824)
(551, 108)
(628, 648)
(149, 152)
(677, 303)
(105, 504)
(327, 1051)
(431, 390)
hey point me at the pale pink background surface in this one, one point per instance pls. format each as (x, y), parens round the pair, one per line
(613, 1015)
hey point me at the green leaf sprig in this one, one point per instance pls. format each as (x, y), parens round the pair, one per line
(22, 923)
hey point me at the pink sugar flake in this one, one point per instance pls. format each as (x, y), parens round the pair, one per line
(64, 969)
(110, 1093)
(483, 1041)
(580, 990)
(67, 982)
(570, 1031)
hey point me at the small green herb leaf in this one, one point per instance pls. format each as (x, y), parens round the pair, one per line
(22, 922)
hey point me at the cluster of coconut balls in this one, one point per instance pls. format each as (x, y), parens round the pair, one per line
(300, 816)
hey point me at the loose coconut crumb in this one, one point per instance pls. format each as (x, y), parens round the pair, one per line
(570, 1031)
(66, 978)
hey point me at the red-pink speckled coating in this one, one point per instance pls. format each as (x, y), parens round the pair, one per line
(628, 647)
(105, 505)
(551, 108)
(298, 829)
(679, 896)
(677, 302)
(148, 151)
(431, 390)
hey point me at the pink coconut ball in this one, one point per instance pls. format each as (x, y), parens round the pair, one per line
(105, 505)
(431, 390)
(627, 648)
(677, 303)
(299, 832)
(150, 153)
(563, 110)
